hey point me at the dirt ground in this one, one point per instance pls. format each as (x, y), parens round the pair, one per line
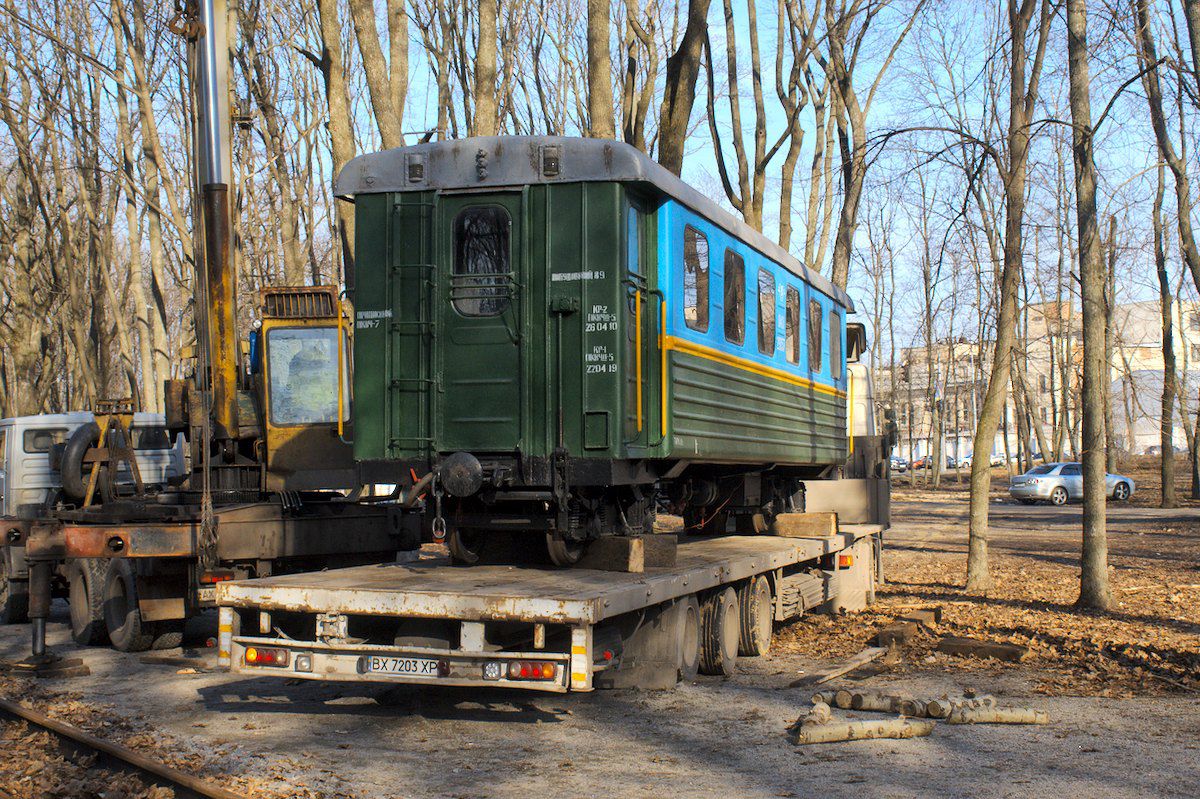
(1122, 689)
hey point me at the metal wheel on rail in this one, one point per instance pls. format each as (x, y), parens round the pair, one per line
(563, 553)
(14, 598)
(756, 617)
(85, 581)
(720, 625)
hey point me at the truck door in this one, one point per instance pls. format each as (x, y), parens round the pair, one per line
(479, 343)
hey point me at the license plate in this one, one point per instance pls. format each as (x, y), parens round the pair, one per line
(416, 667)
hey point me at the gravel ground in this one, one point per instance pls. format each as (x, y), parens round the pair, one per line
(714, 737)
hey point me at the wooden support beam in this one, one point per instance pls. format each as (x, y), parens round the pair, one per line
(805, 525)
(973, 647)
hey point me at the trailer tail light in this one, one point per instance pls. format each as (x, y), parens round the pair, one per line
(256, 656)
(531, 670)
(216, 576)
(845, 561)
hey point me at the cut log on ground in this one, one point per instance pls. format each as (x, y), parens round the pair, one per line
(861, 730)
(899, 633)
(861, 659)
(973, 647)
(997, 715)
(887, 703)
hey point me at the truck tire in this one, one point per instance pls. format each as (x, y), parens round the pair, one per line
(74, 480)
(85, 585)
(126, 629)
(757, 617)
(719, 628)
(168, 634)
(14, 598)
(689, 638)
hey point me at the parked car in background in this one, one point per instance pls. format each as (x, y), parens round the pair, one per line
(922, 462)
(951, 463)
(1059, 483)
(899, 465)
(997, 460)
(966, 460)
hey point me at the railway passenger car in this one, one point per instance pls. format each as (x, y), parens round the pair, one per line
(562, 333)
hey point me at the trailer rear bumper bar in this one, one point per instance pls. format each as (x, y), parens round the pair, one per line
(314, 660)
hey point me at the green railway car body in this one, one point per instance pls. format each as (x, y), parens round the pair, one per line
(535, 304)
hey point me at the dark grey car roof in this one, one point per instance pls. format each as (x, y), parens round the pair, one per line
(495, 161)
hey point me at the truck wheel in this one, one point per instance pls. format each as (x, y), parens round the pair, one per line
(14, 599)
(85, 581)
(756, 616)
(689, 639)
(719, 627)
(125, 626)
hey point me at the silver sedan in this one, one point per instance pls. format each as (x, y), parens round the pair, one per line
(1058, 483)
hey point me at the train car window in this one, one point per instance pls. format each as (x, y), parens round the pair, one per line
(791, 324)
(766, 312)
(835, 345)
(735, 298)
(695, 279)
(814, 336)
(481, 256)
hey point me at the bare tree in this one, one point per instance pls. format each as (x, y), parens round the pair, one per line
(601, 122)
(679, 93)
(1094, 591)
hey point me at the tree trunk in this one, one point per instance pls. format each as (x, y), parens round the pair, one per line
(601, 119)
(1169, 497)
(341, 129)
(1022, 97)
(485, 71)
(679, 94)
(1093, 590)
(379, 84)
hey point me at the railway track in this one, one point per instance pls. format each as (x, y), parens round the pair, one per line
(185, 786)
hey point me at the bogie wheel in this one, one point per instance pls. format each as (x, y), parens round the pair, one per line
(1121, 492)
(14, 598)
(756, 616)
(126, 628)
(85, 581)
(563, 553)
(719, 628)
(689, 639)
(465, 546)
(1058, 496)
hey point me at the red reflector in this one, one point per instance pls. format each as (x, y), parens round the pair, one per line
(524, 669)
(845, 561)
(266, 657)
(608, 654)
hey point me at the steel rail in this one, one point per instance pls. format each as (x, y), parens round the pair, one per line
(185, 786)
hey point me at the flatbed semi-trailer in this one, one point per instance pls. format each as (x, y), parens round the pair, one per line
(428, 622)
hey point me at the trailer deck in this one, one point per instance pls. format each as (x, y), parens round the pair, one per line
(572, 601)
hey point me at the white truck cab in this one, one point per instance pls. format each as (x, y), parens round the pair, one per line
(27, 480)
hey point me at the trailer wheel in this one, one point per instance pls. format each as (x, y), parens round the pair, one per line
(689, 639)
(85, 585)
(756, 614)
(14, 598)
(719, 628)
(125, 626)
